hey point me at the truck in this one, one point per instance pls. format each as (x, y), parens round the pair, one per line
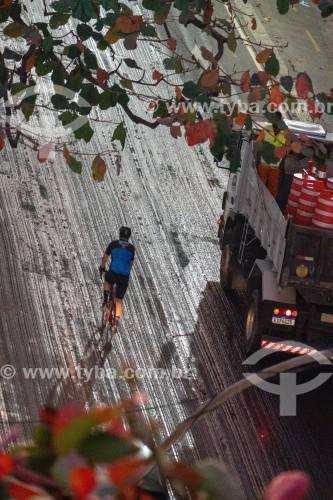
(285, 269)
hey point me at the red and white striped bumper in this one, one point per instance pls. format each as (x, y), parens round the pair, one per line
(277, 346)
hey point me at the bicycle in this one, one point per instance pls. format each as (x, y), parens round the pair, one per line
(109, 316)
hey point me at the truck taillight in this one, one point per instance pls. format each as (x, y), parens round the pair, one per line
(285, 312)
(219, 222)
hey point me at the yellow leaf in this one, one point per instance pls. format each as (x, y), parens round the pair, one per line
(111, 36)
(98, 169)
(14, 30)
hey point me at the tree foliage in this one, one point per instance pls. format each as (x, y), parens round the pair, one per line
(85, 52)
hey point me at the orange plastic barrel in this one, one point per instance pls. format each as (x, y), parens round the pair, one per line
(295, 192)
(307, 202)
(323, 213)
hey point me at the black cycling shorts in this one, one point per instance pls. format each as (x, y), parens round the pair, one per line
(120, 280)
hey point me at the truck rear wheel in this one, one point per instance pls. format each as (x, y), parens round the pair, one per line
(225, 265)
(253, 328)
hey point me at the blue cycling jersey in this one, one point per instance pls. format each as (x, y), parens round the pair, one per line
(122, 254)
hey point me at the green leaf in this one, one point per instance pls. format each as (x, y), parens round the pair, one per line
(75, 165)
(42, 435)
(60, 101)
(152, 4)
(287, 82)
(282, 6)
(131, 63)
(255, 80)
(107, 100)
(90, 93)
(103, 45)
(72, 51)
(84, 31)
(169, 63)
(27, 110)
(67, 117)
(148, 30)
(231, 41)
(58, 75)
(190, 90)
(90, 59)
(10, 54)
(103, 447)
(18, 87)
(85, 132)
(45, 68)
(126, 83)
(120, 134)
(121, 95)
(75, 80)
(47, 44)
(161, 111)
(272, 66)
(58, 19)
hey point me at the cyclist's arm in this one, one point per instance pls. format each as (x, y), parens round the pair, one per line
(104, 260)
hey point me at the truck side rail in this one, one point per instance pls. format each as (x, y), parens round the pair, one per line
(256, 203)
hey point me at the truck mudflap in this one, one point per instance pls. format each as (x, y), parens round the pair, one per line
(308, 263)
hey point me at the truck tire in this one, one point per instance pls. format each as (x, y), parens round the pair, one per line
(253, 328)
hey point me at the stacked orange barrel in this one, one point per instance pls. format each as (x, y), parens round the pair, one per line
(310, 200)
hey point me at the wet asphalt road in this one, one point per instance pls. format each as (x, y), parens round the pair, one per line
(55, 226)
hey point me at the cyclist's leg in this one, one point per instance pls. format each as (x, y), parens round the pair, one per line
(106, 290)
(121, 290)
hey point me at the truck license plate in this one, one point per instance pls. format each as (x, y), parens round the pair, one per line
(279, 320)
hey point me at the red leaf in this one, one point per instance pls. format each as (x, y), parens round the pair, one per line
(276, 97)
(253, 24)
(128, 24)
(121, 471)
(210, 79)
(175, 131)
(101, 75)
(208, 55)
(313, 109)
(157, 75)
(199, 132)
(47, 414)
(44, 151)
(263, 56)
(6, 465)
(245, 81)
(303, 85)
(82, 481)
(178, 92)
(263, 77)
(172, 44)
(73, 411)
(240, 119)
(21, 491)
(291, 485)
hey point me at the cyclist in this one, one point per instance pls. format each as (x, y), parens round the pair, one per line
(118, 271)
